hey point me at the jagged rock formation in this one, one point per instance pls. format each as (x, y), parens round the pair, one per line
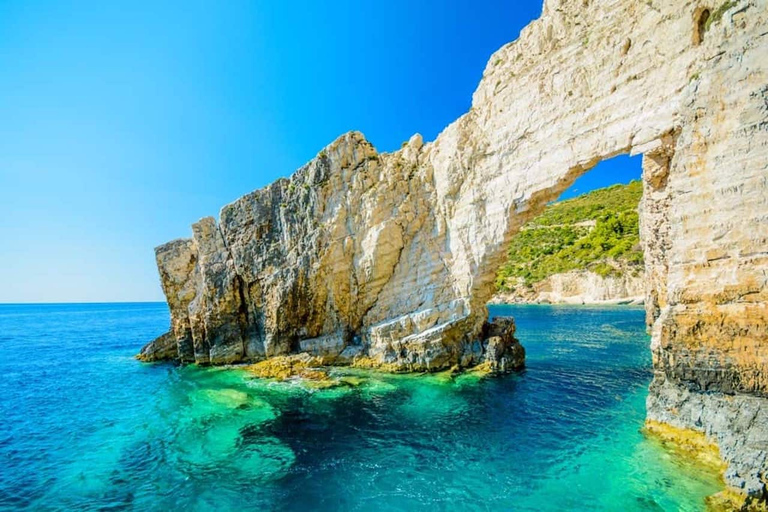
(163, 347)
(578, 287)
(394, 255)
(315, 264)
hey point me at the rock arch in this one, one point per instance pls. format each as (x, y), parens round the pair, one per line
(392, 256)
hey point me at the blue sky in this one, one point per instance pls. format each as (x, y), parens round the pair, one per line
(619, 169)
(121, 123)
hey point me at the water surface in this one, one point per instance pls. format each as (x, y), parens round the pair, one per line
(84, 426)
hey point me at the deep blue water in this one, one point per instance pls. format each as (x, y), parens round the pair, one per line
(85, 426)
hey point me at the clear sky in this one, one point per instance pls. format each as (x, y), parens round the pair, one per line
(619, 169)
(121, 123)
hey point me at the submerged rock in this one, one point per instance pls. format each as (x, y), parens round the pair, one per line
(267, 459)
(285, 367)
(306, 369)
(225, 398)
(731, 428)
(688, 442)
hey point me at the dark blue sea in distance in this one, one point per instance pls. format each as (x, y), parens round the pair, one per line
(84, 426)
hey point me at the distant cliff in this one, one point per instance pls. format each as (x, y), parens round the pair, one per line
(584, 250)
(578, 287)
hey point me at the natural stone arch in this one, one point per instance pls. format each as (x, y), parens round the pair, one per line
(391, 257)
(321, 260)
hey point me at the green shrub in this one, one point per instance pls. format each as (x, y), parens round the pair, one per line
(557, 241)
(718, 14)
(602, 269)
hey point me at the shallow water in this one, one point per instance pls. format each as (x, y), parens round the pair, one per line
(85, 426)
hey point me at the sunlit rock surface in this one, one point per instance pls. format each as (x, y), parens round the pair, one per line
(392, 257)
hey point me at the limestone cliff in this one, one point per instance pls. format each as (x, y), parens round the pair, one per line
(394, 255)
(578, 287)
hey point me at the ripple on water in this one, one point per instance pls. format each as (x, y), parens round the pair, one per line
(263, 459)
(109, 432)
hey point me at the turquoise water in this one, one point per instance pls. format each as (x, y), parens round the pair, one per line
(84, 426)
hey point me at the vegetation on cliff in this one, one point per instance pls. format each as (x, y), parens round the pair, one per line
(597, 231)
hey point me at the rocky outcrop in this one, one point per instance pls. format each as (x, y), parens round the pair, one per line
(498, 351)
(502, 351)
(578, 287)
(738, 424)
(160, 349)
(393, 256)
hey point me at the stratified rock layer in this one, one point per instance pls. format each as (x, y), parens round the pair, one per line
(392, 257)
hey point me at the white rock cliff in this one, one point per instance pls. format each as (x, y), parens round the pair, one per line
(578, 287)
(393, 256)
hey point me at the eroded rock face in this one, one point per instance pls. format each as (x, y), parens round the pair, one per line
(737, 423)
(392, 257)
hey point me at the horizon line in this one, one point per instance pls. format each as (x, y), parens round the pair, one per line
(83, 302)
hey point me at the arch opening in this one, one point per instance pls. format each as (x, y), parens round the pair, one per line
(584, 247)
(610, 247)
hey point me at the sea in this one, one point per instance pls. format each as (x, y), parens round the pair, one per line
(85, 426)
